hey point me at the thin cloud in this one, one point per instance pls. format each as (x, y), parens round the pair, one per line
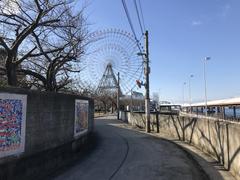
(197, 23)
(225, 10)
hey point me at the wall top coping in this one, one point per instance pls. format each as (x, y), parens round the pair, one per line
(15, 90)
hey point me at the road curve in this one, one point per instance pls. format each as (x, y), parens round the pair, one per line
(123, 154)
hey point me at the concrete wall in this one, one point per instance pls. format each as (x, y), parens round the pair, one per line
(221, 139)
(49, 136)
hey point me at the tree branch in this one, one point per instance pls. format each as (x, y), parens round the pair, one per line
(34, 74)
(28, 30)
(48, 23)
(38, 5)
(46, 52)
(40, 47)
(3, 43)
(26, 56)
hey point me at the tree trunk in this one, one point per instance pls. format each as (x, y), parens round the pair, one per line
(11, 69)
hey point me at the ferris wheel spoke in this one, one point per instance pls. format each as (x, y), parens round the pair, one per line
(116, 48)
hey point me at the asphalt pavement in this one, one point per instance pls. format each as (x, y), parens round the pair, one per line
(124, 154)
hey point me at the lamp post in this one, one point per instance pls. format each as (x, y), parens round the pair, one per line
(205, 82)
(183, 93)
(190, 95)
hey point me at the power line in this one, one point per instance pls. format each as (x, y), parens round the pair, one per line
(141, 11)
(128, 17)
(139, 20)
(130, 23)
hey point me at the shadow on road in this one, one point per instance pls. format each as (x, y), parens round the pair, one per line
(116, 152)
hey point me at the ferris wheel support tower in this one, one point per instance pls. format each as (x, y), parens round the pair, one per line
(109, 82)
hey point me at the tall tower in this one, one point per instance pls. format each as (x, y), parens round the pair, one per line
(108, 83)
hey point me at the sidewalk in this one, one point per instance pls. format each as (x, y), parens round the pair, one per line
(205, 161)
(124, 153)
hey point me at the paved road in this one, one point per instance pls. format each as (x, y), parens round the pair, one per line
(123, 154)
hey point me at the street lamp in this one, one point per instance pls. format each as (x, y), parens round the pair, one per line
(190, 97)
(183, 92)
(205, 82)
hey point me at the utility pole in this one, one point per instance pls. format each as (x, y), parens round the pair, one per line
(118, 94)
(146, 73)
(205, 83)
(131, 101)
(146, 84)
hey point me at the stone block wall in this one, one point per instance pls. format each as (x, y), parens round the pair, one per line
(49, 133)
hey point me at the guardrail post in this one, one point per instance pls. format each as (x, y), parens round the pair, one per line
(223, 111)
(157, 119)
(234, 112)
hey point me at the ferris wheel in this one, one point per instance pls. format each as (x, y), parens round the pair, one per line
(110, 52)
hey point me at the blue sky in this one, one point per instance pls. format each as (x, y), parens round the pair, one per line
(182, 33)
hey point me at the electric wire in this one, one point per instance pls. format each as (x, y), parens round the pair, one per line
(141, 11)
(129, 18)
(138, 16)
(130, 23)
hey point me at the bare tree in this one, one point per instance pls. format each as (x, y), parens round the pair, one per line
(3, 55)
(44, 36)
(54, 69)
